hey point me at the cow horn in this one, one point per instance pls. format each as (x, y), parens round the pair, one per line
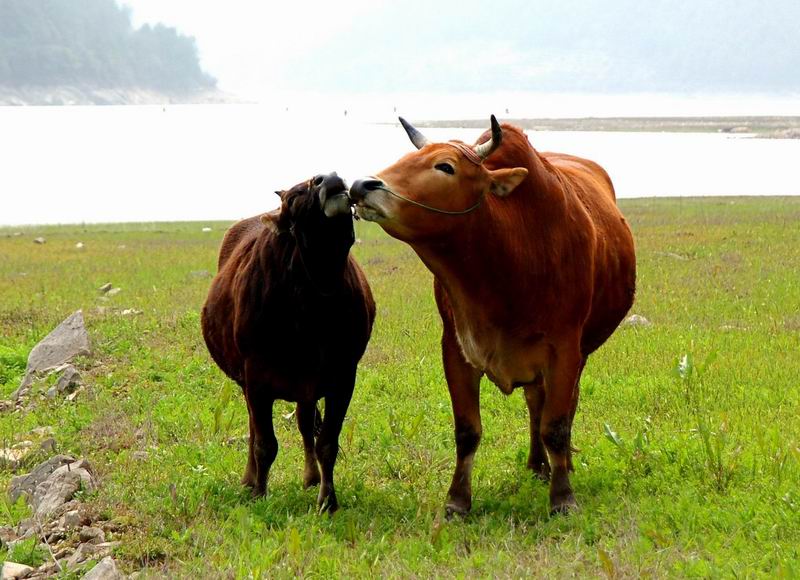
(418, 139)
(485, 149)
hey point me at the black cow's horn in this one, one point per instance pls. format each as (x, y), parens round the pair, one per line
(418, 139)
(485, 149)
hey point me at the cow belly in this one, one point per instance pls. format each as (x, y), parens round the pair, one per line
(507, 362)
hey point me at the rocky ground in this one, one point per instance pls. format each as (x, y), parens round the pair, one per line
(71, 534)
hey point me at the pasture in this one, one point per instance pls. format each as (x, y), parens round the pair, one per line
(688, 430)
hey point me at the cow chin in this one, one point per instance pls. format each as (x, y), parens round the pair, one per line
(373, 208)
(336, 205)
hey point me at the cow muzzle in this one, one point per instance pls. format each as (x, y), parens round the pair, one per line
(333, 196)
(360, 194)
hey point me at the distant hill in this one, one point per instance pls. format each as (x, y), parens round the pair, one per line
(87, 51)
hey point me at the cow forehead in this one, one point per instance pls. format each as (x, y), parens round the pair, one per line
(468, 151)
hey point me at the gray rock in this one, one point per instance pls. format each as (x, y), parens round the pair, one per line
(113, 291)
(54, 492)
(67, 340)
(69, 380)
(39, 240)
(83, 553)
(12, 571)
(72, 519)
(92, 535)
(106, 287)
(105, 570)
(48, 445)
(61, 486)
(26, 484)
(637, 321)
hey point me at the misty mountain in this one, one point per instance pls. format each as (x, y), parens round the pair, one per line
(92, 44)
(570, 45)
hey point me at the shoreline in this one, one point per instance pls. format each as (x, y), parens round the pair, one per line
(768, 127)
(103, 96)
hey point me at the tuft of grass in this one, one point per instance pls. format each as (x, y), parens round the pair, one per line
(688, 430)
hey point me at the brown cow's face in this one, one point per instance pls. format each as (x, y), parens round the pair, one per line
(431, 191)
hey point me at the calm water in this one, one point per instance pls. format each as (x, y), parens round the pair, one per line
(100, 164)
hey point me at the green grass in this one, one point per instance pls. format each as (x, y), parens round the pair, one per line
(685, 469)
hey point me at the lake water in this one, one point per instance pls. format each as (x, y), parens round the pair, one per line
(103, 164)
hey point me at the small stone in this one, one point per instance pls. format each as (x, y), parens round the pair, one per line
(39, 240)
(12, 571)
(72, 519)
(83, 553)
(105, 570)
(42, 431)
(105, 287)
(92, 535)
(48, 445)
(140, 455)
(26, 484)
(200, 274)
(113, 291)
(61, 486)
(79, 246)
(637, 321)
(11, 458)
(122, 247)
(72, 396)
(69, 380)
(130, 312)
(206, 230)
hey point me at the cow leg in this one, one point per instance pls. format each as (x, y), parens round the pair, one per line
(537, 457)
(575, 395)
(463, 382)
(249, 478)
(327, 447)
(306, 414)
(557, 426)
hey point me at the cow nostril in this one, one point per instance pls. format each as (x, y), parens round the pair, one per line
(372, 184)
(318, 180)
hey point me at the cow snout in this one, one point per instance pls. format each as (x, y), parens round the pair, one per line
(362, 187)
(331, 184)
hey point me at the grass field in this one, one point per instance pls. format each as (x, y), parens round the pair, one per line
(684, 469)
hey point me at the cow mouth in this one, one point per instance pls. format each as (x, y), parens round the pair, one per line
(369, 212)
(338, 204)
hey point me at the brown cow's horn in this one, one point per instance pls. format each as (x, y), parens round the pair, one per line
(418, 139)
(485, 149)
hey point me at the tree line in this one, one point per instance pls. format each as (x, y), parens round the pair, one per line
(93, 43)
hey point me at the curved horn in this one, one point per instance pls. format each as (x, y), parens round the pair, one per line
(418, 139)
(484, 149)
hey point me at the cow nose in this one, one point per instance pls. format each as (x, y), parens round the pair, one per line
(362, 187)
(332, 183)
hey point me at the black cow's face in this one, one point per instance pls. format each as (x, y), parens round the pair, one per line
(318, 212)
(322, 196)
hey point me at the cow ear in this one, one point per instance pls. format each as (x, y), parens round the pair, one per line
(280, 193)
(504, 181)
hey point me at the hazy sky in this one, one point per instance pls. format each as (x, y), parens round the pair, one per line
(597, 46)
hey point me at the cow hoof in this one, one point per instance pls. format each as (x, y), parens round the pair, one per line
(249, 480)
(328, 505)
(310, 479)
(564, 506)
(455, 508)
(540, 471)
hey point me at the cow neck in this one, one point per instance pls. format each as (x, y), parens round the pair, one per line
(476, 261)
(323, 262)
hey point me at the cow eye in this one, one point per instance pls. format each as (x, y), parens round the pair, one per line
(446, 168)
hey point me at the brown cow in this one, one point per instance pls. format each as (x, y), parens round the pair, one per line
(534, 268)
(288, 316)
